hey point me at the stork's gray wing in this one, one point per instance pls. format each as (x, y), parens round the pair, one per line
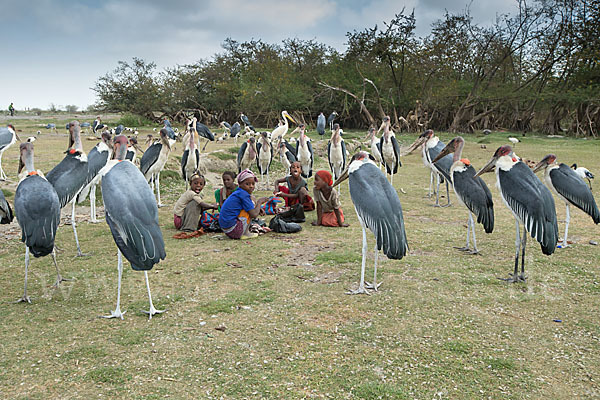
(184, 160)
(292, 149)
(6, 137)
(258, 147)
(235, 129)
(396, 148)
(344, 155)
(132, 215)
(6, 214)
(227, 125)
(444, 164)
(569, 185)
(96, 161)
(476, 196)
(240, 156)
(68, 178)
(312, 158)
(321, 124)
(150, 157)
(379, 147)
(329, 155)
(532, 202)
(204, 131)
(378, 206)
(290, 156)
(37, 208)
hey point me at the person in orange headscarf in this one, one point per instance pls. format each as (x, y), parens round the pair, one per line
(329, 212)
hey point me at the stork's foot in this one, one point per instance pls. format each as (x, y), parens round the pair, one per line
(446, 205)
(59, 280)
(562, 246)
(24, 299)
(159, 205)
(372, 286)
(360, 290)
(82, 254)
(515, 278)
(462, 248)
(114, 314)
(96, 221)
(152, 311)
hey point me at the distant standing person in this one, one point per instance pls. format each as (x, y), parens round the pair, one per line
(11, 109)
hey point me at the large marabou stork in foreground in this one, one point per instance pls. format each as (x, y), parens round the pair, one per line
(390, 150)
(191, 156)
(8, 136)
(378, 208)
(570, 188)
(336, 153)
(6, 213)
(264, 157)
(71, 175)
(279, 132)
(472, 192)
(304, 153)
(431, 147)
(132, 215)
(287, 155)
(246, 154)
(37, 208)
(321, 124)
(155, 158)
(97, 159)
(530, 202)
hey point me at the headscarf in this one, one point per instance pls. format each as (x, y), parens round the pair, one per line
(325, 176)
(245, 174)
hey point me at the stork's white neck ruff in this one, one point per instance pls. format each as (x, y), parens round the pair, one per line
(356, 164)
(505, 163)
(432, 142)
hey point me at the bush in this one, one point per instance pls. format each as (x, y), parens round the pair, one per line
(133, 120)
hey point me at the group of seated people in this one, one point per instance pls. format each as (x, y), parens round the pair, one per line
(235, 208)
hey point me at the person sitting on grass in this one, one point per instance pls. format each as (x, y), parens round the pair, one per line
(296, 191)
(228, 188)
(329, 212)
(189, 208)
(238, 210)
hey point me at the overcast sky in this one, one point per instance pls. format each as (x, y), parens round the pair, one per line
(54, 50)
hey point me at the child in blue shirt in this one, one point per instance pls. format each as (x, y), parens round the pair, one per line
(239, 209)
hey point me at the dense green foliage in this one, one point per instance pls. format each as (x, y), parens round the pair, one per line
(536, 70)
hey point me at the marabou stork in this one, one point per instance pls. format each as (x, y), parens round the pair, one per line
(570, 188)
(330, 120)
(132, 149)
(246, 122)
(203, 131)
(583, 173)
(6, 213)
(390, 150)
(287, 155)
(155, 157)
(304, 153)
(378, 208)
(246, 154)
(37, 208)
(97, 159)
(473, 193)
(530, 202)
(279, 132)
(321, 124)
(264, 157)
(190, 158)
(97, 125)
(8, 136)
(375, 145)
(132, 215)
(431, 147)
(71, 175)
(336, 153)
(235, 130)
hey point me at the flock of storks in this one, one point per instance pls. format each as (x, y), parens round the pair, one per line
(131, 207)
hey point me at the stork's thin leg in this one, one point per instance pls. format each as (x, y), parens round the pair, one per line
(152, 183)
(522, 277)
(2, 174)
(117, 312)
(513, 277)
(152, 311)
(25, 298)
(158, 189)
(565, 243)
(205, 144)
(437, 193)
(59, 278)
(474, 251)
(429, 193)
(466, 248)
(374, 285)
(79, 253)
(447, 195)
(361, 286)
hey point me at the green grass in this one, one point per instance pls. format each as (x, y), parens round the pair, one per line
(441, 326)
(224, 156)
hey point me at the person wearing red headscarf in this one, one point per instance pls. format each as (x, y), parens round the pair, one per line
(329, 212)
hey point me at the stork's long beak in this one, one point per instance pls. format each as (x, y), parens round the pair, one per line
(446, 150)
(290, 118)
(21, 165)
(341, 179)
(18, 138)
(138, 148)
(542, 164)
(487, 167)
(419, 141)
